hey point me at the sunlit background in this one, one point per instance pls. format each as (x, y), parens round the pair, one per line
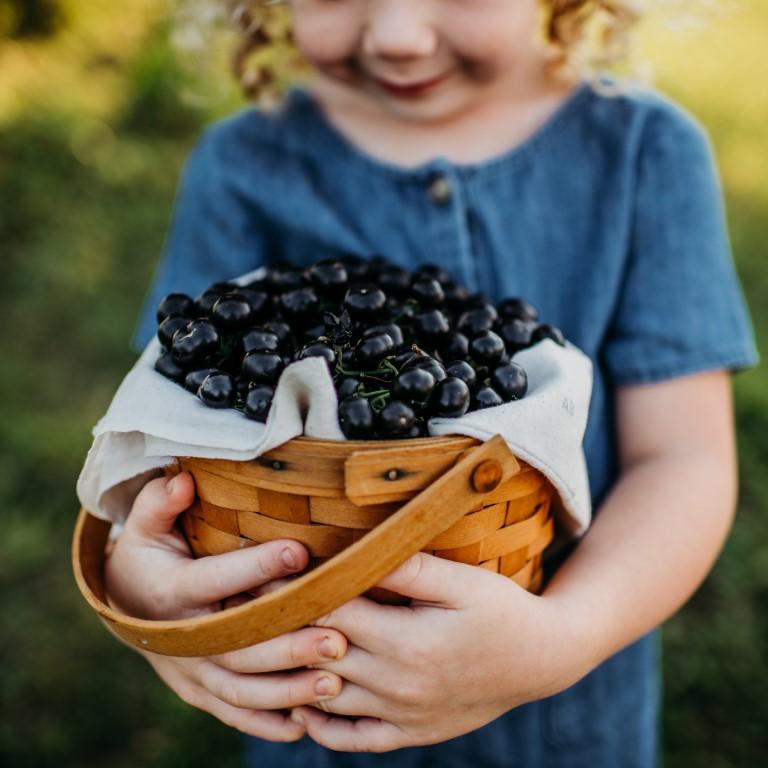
(99, 103)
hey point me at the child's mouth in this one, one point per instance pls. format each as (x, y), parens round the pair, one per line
(411, 90)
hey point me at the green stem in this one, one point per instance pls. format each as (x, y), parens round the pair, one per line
(391, 366)
(376, 393)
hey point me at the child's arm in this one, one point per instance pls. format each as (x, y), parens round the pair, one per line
(150, 574)
(663, 525)
(474, 645)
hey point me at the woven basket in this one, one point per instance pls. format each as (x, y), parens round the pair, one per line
(360, 508)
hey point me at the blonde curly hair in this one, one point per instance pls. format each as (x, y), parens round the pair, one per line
(584, 37)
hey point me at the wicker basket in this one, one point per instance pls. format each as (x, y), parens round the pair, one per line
(361, 509)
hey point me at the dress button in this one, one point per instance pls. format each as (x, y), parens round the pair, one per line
(439, 189)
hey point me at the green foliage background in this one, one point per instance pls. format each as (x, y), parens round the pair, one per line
(97, 112)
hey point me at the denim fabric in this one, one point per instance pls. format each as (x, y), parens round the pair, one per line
(609, 219)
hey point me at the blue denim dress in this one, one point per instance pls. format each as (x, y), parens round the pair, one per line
(609, 219)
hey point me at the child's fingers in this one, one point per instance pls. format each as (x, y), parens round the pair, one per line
(272, 726)
(159, 503)
(279, 690)
(217, 577)
(184, 677)
(296, 649)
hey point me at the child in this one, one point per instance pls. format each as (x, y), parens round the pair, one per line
(439, 131)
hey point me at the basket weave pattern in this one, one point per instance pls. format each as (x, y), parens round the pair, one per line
(328, 495)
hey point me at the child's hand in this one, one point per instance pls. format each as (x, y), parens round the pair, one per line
(151, 574)
(471, 646)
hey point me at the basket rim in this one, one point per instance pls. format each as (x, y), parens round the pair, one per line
(415, 442)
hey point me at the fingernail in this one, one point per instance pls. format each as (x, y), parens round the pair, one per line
(296, 717)
(289, 559)
(328, 648)
(325, 687)
(170, 485)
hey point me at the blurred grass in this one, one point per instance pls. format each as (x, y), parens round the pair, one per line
(95, 121)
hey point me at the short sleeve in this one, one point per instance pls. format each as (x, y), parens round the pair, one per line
(212, 235)
(681, 308)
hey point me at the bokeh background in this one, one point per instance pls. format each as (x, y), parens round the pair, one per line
(99, 104)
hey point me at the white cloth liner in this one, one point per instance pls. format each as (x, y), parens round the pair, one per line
(151, 420)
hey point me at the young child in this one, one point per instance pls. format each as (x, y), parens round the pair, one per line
(439, 131)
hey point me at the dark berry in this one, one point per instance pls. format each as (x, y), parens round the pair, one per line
(218, 390)
(455, 294)
(396, 419)
(313, 333)
(348, 358)
(455, 346)
(419, 429)
(475, 321)
(391, 329)
(486, 397)
(168, 328)
(365, 302)
(168, 367)
(356, 418)
(257, 284)
(517, 309)
(261, 340)
(328, 277)
(300, 305)
(194, 379)
(243, 386)
(281, 330)
(195, 343)
(486, 348)
(432, 271)
(232, 312)
(394, 309)
(414, 386)
(404, 359)
(370, 351)
(347, 386)
(510, 381)
(175, 304)
(516, 334)
(451, 398)
(431, 325)
(205, 301)
(547, 331)
(394, 280)
(258, 402)
(284, 279)
(260, 302)
(357, 267)
(428, 292)
(263, 367)
(460, 369)
(319, 349)
(480, 301)
(429, 363)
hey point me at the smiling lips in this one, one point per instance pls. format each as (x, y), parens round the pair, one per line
(411, 90)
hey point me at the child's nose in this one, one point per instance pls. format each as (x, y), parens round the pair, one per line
(399, 29)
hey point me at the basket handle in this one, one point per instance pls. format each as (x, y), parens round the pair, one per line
(314, 594)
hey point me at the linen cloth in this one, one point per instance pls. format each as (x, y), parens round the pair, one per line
(151, 420)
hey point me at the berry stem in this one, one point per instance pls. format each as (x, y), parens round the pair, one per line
(375, 394)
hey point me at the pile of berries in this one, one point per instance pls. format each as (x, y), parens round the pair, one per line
(401, 346)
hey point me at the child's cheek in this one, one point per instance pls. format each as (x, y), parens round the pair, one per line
(496, 40)
(322, 43)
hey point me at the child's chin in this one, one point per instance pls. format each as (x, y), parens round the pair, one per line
(434, 108)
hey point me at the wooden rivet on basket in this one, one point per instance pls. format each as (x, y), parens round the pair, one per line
(487, 476)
